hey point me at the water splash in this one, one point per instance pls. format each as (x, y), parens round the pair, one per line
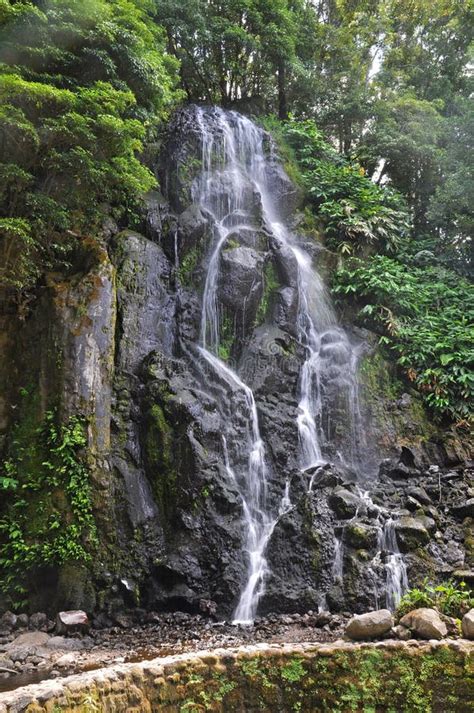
(396, 579)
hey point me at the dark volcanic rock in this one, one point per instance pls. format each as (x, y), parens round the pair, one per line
(465, 509)
(411, 533)
(241, 284)
(344, 503)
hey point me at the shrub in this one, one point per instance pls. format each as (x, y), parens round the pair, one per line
(425, 317)
(356, 213)
(450, 598)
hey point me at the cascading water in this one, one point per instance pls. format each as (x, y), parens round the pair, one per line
(396, 582)
(233, 184)
(228, 154)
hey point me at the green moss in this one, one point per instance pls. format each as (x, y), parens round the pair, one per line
(380, 389)
(231, 244)
(47, 515)
(159, 445)
(368, 679)
(227, 337)
(285, 151)
(187, 266)
(293, 671)
(185, 175)
(270, 285)
(377, 379)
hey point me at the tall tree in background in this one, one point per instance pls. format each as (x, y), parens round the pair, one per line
(235, 50)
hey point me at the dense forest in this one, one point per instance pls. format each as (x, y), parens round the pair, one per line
(369, 103)
(371, 98)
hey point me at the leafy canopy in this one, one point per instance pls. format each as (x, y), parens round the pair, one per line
(80, 85)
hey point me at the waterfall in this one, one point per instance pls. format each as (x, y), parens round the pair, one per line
(396, 582)
(233, 186)
(229, 151)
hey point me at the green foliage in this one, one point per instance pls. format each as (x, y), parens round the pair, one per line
(187, 266)
(80, 85)
(355, 212)
(230, 50)
(48, 519)
(450, 598)
(227, 336)
(425, 318)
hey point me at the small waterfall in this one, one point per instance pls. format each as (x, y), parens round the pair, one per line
(396, 580)
(330, 366)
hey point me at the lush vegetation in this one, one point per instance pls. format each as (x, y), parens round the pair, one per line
(356, 214)
(388, 82)
(81, 86)
(451, 598)
(424, 314)
(421, 308)
(49, 518)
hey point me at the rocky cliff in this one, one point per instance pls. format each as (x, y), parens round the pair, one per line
(115, 345)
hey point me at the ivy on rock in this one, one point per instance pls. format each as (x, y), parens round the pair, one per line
(48, 520)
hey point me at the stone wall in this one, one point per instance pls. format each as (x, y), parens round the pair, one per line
(387, 676)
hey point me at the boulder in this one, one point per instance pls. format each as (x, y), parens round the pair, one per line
(8, 621)
(468, 625)
(411, 533)
(361, 536)
(29, 644)
(371, 625)
(420, 495)
(22, 621)
(71, 621)
(426, 623)
(465, 509)
(323, 476)
(38, 621)
(344, 503)
(31, 639)
(63, 643)
(401, 632)
(240, 281)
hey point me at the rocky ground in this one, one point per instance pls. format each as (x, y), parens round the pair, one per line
(32, 650)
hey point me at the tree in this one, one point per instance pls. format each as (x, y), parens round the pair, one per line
(81, 83)
(231, 51)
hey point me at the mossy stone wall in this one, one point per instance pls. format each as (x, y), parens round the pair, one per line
(389, 676)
